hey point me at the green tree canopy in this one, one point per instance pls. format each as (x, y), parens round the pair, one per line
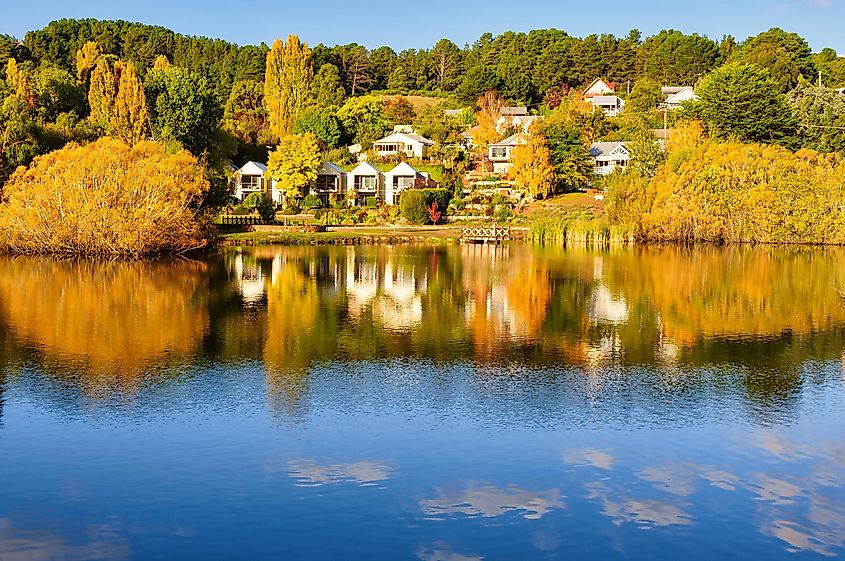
(742, 101)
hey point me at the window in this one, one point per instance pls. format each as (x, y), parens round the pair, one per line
(365, 182)
(326, 183)
(251, 182)
(389, 148)
(403, 182)
(498, 152)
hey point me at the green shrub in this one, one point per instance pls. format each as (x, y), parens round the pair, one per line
(266, 210)
(312, 202)
(253, 200)
(372, 202)
(412, 204)
(318, 214)
(290, 210)
(241, 210)
(441, 196)
(502, 214)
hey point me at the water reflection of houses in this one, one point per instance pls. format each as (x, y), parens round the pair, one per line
(249, 278)
(390, 287)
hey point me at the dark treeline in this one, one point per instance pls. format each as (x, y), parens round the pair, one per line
(524, 67)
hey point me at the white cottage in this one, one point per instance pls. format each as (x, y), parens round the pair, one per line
(607, 157)
(330, 181)
(366, 181)
(412, 145)
(249, 179)
(501, 153)
(400, 178)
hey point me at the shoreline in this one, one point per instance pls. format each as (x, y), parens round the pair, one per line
(355, 235)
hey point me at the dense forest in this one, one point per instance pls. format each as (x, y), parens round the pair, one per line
(524, 67)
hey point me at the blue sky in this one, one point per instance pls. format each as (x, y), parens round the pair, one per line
(419, 24)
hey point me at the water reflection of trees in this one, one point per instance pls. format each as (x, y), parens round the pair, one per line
(107, 322)
(291, 309)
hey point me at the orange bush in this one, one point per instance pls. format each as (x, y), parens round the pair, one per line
(104, 198)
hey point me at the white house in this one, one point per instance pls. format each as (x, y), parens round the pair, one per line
(607, 157)
(501, 153)
(400, 178)
(413, 145)
(366, 181)
(331, 180)
(676, 100)
(610, 105)
(249, 179)
(598, 87)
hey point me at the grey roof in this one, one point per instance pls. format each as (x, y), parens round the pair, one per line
(453, 112)
(513, 111)
(604, 148)
(669, 90)
(605, 100)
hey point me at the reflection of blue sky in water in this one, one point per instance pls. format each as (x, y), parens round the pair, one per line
(487, 501)
(310, 474)
(802, 504)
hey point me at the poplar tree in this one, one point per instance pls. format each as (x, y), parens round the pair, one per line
(101, 93)
(18, 82)
(129, 119)
(86, 60)
(287, 83)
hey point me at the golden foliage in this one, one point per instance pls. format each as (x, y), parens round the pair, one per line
(86, 60)
(733, 192)
(130, 121)
(532, 167)
(295, 162)
(107, 319)
(161, 63)
(101, 93)
(488, 109)
(287, 83)
(18, 81)
(105, 198)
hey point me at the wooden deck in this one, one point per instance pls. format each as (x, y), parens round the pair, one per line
(485, 234)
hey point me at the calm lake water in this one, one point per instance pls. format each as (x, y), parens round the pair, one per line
(437, 404)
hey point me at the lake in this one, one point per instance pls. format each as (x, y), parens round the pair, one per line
(451, 403)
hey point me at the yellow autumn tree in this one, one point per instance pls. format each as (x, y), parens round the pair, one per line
(18, 81)
(129, 119)
(488, 110)
(287, 83)
(295, 163)
(86, 60)
(532, 167)
(161, 63)
(105, 198)
(101, 93)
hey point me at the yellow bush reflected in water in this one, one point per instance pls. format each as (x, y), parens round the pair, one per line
(110, 319)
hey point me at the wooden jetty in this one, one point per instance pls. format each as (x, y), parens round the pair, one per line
(485, 234)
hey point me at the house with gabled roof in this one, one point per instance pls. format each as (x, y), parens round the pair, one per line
(249, 179)
(607, 157)
(331, 180)
(402, 177)
(365, 180)
(501, 153)
(410, 144)
(599, 87)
